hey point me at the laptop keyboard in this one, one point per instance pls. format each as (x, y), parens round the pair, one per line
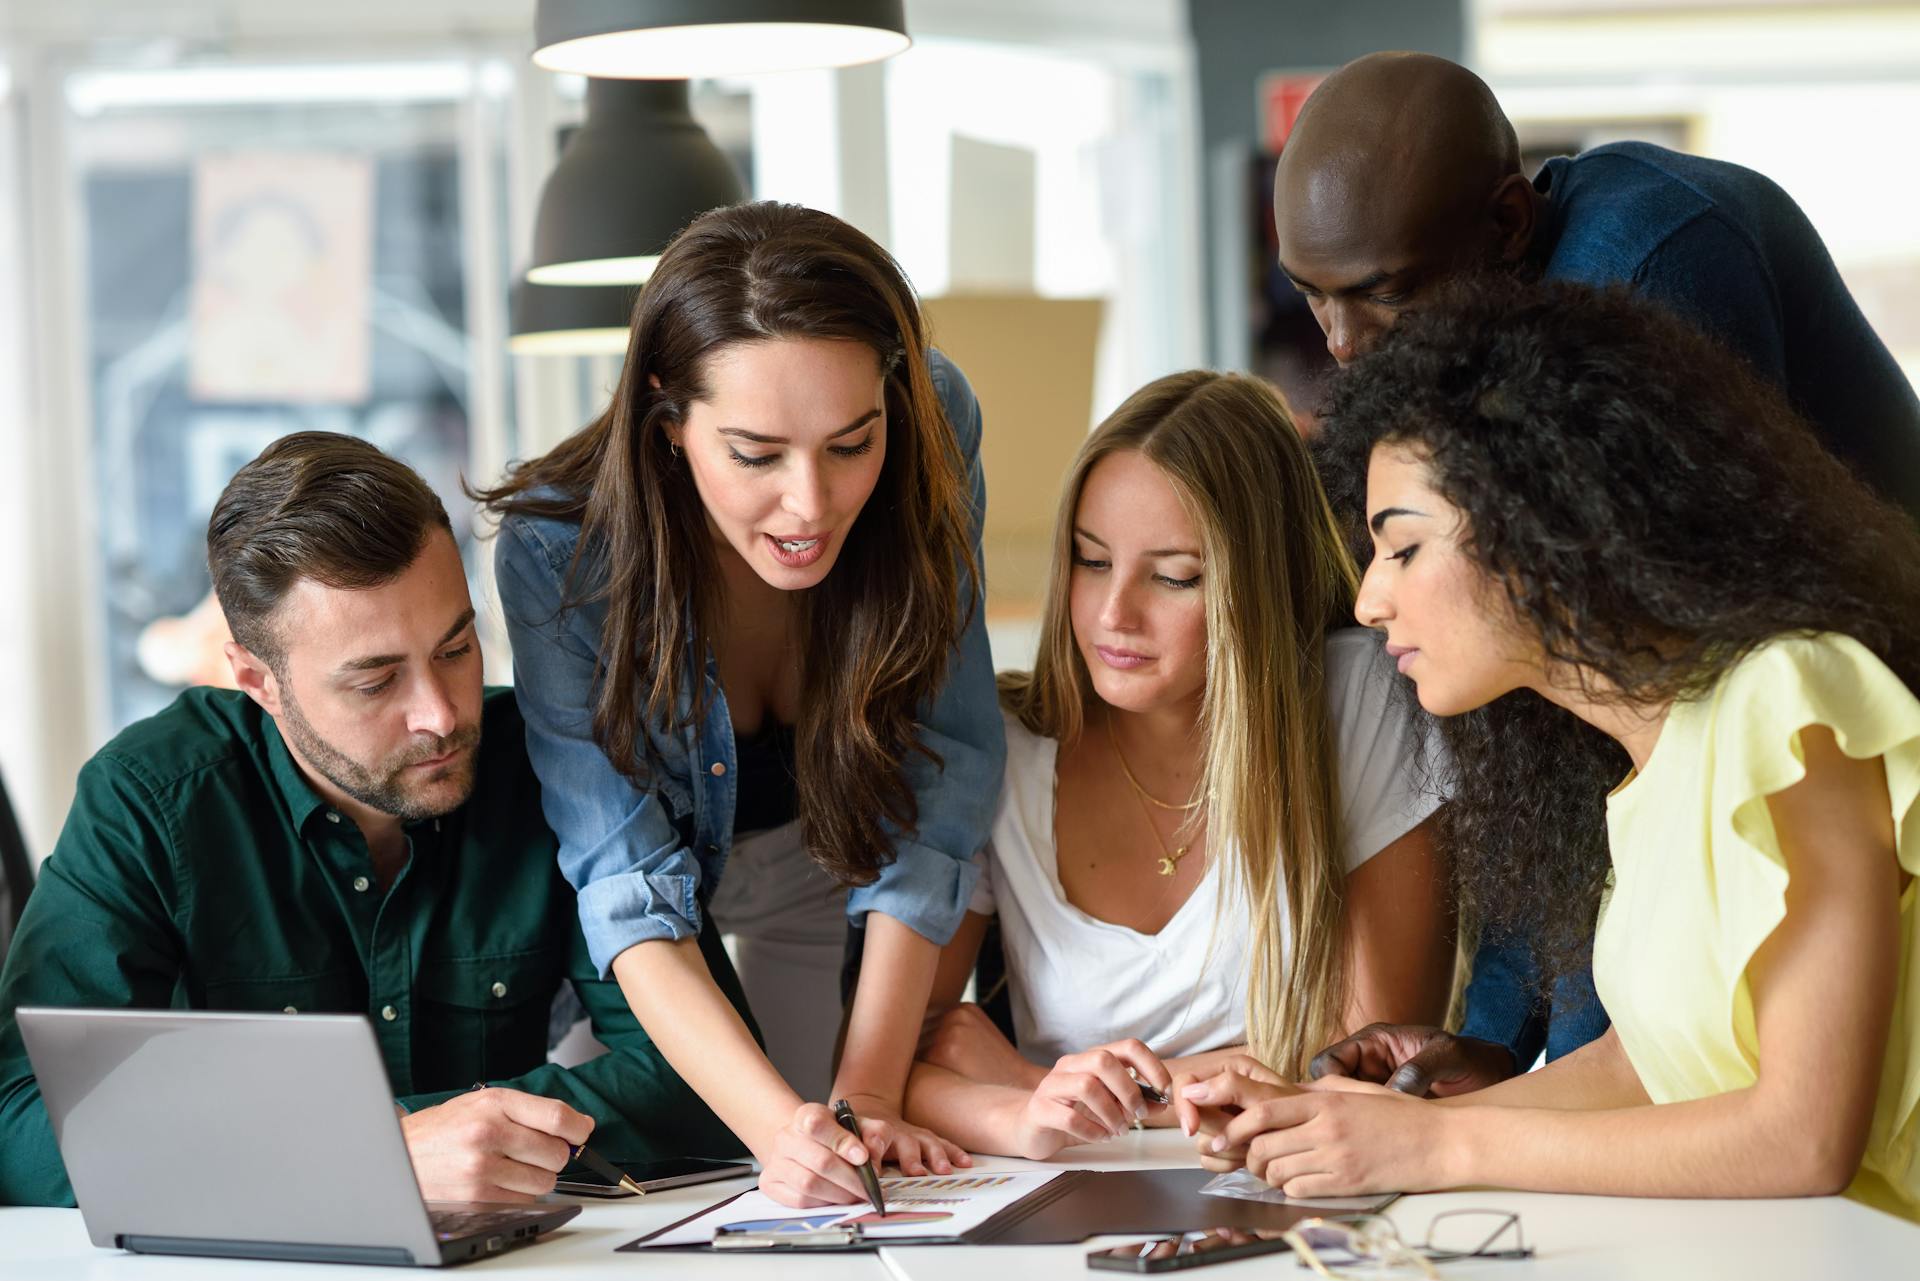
(452, 1225)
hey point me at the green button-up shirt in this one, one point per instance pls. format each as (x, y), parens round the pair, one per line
(199, 870)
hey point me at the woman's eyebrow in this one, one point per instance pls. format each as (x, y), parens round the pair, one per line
(1156, 553)
(758, 439)
(1385, 514)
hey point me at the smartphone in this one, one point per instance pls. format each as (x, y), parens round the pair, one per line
(1188, 1250)
(654, 1176)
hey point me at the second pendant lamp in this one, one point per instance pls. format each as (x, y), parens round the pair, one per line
(638, 170)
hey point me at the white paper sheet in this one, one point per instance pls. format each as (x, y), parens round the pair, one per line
(935, 1205)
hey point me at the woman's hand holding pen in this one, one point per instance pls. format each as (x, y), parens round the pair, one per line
(812, 1161)
(1091, 1096)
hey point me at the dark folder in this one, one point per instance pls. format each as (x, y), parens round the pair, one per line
(1090, 1203)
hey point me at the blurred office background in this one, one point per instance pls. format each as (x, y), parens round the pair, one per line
(224, 220)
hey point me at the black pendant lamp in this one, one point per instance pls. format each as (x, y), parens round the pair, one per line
(628, 180)
(688, 39)
(578, 320)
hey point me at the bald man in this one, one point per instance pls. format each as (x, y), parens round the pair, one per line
(1402, 172)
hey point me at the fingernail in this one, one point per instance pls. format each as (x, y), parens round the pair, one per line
(1195, 1091)
(857, 1155)
(1139, 1111)
(1219, 1143)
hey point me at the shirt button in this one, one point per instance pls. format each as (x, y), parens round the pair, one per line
(361, 883)
(388, 1013)
(499, 989)
(332, 817)
(290, 1010)
(719, 768)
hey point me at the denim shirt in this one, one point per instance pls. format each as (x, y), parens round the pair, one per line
(1503, 1004)
(1727, 249)
(644, 859)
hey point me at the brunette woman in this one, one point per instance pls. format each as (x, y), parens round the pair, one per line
(744, 606)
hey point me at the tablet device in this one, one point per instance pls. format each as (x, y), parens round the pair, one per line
(653, 1176)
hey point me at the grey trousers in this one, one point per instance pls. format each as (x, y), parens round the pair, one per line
(785, 925)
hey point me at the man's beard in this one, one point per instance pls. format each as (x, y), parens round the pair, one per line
(383, 787)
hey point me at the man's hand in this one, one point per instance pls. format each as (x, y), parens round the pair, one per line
(966, 1043)
(492, 1145)
(1415, 1060)
(1089, 1097)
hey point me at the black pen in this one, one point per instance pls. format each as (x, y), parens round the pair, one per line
(605, 1168)
(869, 1173)
(592, 1160)
(1148, 1091)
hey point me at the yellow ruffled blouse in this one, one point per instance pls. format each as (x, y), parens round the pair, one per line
(1699, 881)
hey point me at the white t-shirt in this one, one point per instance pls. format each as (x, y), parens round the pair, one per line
(1077, 981)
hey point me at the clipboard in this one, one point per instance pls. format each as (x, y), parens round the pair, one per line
(1069, 1209)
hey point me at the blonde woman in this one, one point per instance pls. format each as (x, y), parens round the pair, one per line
(1210, 840)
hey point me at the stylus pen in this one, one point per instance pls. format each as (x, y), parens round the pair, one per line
(593, 1160)
(605, 1169)
(869, 1174)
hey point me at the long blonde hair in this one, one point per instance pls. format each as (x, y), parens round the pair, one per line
(1277, 580)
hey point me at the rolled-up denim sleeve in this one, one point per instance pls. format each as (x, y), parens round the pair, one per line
(635, 878)
(1503, 1003)
(930, 881)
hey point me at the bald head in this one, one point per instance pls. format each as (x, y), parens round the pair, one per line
(1400, 172)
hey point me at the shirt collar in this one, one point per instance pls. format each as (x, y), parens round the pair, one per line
(301, 800)
(1546, 233)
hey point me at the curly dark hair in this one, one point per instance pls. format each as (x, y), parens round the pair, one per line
(1653, 510)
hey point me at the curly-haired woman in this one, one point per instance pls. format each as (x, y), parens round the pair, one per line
(1669, 633)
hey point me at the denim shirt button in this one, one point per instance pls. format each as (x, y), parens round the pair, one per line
(718, 768)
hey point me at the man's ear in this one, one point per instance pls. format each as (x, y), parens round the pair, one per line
(254, 677)
(1514, 210)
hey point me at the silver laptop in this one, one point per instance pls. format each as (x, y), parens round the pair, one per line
(260, 1136)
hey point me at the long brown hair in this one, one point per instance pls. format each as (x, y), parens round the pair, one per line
(1277, 580)
(878, 630)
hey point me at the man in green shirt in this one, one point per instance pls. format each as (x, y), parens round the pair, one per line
(355, 830)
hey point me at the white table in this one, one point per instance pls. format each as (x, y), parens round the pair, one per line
(1602, 1238)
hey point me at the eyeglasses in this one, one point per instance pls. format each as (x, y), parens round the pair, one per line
(1372, 1241)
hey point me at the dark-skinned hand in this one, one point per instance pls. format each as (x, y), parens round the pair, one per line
(1422, 1061)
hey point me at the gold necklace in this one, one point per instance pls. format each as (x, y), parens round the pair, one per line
(1144, 794)
(1169, 860)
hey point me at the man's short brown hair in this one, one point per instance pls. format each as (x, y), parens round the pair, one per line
(319, 505)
